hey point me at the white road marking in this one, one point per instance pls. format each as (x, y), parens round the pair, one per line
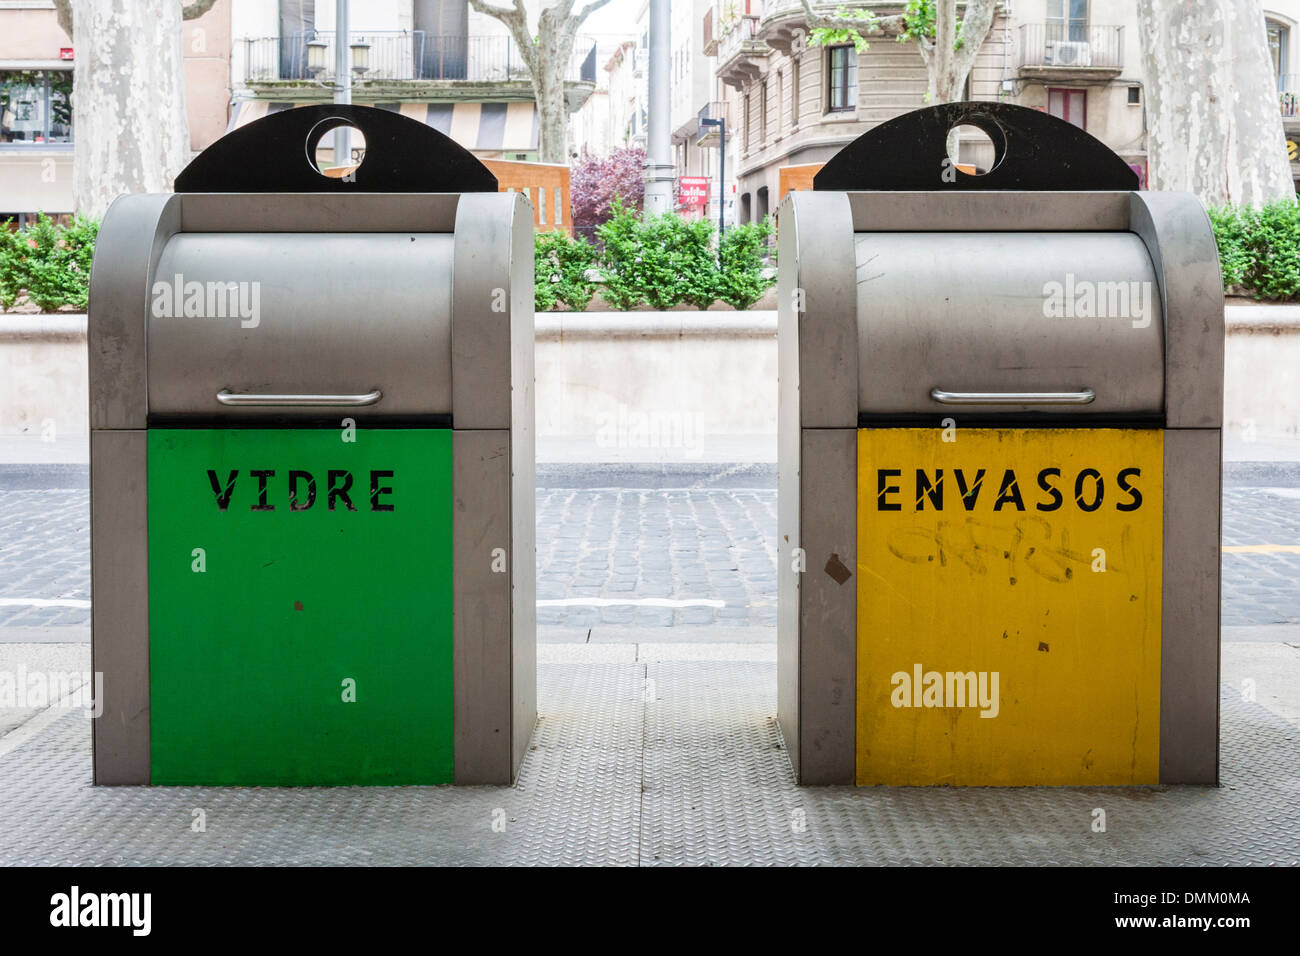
(631, 602)
(43, 602)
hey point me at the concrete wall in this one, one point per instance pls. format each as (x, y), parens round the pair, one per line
(30, 34)
(652, 386)
(43, 375)
(1261, 389)
(655, 386)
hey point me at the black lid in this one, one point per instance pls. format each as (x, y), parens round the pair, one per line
(1033, 150)
(274, 154)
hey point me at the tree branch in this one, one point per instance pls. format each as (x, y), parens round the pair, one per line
(516, 20)
(481, 6)
(63, 13)
(976, 25)
(890, 26)
(192, 11)
(587, 11)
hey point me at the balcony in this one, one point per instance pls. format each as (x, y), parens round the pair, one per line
(1070, 53)
(709, 136)
(400, 59)
(1288, 94)
(710, 38)
(741, 52)
(784, 23)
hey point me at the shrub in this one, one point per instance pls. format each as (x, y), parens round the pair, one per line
(1259, 249)
(740, 260)
(11, 257)
(1275, 243)
(51, 263)
(621, 260)
(560, 271)
(665, 260)
(597, 183)
(660, 261)
(1230, 234)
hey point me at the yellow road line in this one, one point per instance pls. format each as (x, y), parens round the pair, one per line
(1262, 549)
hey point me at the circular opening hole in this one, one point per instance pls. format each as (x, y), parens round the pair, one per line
(972, 150)
(324, 152)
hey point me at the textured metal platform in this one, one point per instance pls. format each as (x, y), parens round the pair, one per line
(650, 754)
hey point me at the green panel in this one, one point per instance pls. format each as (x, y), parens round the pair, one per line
(249, 657)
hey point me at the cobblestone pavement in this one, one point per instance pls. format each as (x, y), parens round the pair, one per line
(711, 551)
(1261, 588)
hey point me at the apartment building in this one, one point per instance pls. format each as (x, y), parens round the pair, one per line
(1080, 60)
(37, 122)
(437, 61)
(1282, 19)
(692, 89)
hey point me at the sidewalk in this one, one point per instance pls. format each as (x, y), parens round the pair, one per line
(648, 755)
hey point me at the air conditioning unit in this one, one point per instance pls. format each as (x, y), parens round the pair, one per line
(1069, 53)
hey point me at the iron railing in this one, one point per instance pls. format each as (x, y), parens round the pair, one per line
(736, 36)
(1072, 45)
(402, 55)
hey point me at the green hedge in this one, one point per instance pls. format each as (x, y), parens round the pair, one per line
(560, 264)
(49, 262)
(1259, 249)
(659, 261)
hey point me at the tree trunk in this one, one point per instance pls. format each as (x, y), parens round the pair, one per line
(128, 100)
(552, 111)
(547, 57)
(548, 67)
(1215, 127)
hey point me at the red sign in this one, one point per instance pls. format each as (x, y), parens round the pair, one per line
(65, 53)
(694, 190)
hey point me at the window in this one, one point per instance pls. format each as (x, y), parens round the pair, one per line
(1067, 20)
(748, 121)
(1278, 37)
(780, 101)
(842, 78)
(1134, 95)
(762, 112)
(1069, 105)
(35, 106)
(794, 93)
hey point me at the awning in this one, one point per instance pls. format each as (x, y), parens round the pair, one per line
(485, 127)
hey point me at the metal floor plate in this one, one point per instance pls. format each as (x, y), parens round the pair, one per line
(642, 757)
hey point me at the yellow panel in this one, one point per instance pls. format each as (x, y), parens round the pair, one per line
(1048, 606)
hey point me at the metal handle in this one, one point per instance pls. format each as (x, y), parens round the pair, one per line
(1083, 396)
(227, 397)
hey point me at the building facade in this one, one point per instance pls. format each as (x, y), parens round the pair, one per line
(37, 121)
(434, 60)
(437, 61)
(792, 103)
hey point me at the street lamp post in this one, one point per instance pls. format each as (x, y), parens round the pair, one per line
(721, 124)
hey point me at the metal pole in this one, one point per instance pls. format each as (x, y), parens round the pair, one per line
(658, 165)
(342, 81)
(722, 173)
